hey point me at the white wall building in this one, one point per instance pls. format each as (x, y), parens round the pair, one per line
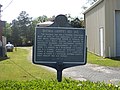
(102, 21)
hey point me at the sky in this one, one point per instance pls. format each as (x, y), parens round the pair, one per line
(37, 8)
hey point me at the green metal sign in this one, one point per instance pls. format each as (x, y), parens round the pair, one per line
(66, 45)
(59, 47)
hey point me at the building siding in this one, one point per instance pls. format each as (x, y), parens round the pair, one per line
(95, 19)
(110, 38)
(102, 15)
(109, 23)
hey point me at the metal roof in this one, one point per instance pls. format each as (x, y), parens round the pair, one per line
(94, 5)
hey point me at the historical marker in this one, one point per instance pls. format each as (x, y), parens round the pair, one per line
(59, 47)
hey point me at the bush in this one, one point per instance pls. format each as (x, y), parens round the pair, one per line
(66, 84)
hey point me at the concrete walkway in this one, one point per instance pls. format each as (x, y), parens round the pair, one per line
(90, 72)
(94, 73)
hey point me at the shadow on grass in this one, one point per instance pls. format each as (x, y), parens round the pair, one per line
(3, 58)
(115, 58)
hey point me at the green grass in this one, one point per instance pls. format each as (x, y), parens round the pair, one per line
(18, 67)
(94, 59)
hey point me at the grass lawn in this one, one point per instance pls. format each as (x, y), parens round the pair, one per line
(18, 67)
(94, 59)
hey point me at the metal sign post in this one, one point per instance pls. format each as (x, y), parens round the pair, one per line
(59, 47)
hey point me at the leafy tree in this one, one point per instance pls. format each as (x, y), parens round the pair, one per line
(42, 18)
(16, 36)
(32, 31)
(7, 31)
(77, 23)
(21, 30)
(24, 22)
